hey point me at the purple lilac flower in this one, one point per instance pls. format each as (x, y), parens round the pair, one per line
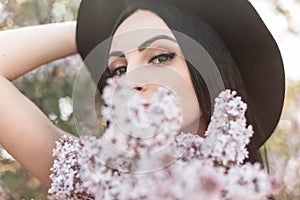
(202, 168)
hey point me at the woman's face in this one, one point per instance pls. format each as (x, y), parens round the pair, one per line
(143, 46)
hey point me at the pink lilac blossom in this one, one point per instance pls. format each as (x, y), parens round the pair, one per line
(197, 168)
(65, 184)
(227, 134)
(3, 13)
(248, 182)
(200, 180)
(90, 164)
(4, 192)
(151, 124)
(193, 179)
(292, 174)
(187, 146)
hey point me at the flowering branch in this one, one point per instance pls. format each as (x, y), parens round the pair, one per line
(173, 165)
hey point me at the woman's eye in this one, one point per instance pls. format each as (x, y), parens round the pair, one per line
(119, 70)
(162, 58)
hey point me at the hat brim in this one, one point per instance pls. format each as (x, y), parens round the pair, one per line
(241, 28)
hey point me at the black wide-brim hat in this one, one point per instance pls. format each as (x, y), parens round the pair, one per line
(249, 41)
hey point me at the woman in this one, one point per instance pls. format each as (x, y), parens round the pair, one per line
(237, 41)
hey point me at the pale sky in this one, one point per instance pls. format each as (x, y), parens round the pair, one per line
(289, 43)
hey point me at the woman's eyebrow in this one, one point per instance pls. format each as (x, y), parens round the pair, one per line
(144, 45)
(116, 54)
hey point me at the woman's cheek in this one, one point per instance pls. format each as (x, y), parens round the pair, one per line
(184, 88)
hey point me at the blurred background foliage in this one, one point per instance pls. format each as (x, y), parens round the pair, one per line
(50, 88)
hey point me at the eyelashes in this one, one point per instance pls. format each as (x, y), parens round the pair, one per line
(160, 58)
(118, 71)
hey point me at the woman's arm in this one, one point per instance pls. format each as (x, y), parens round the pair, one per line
(25, 132)
(24, 49)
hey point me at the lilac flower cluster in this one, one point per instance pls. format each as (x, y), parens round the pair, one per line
(292, 174)
(4, 192)
(65, 184)
(3, 13)
(138, 125)
(227, 134)
(174, 166)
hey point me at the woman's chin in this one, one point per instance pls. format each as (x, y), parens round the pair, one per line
(198, 127)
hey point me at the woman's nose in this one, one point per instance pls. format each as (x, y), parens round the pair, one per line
(136, 72)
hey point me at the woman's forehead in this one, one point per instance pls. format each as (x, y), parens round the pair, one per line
(139, 27)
